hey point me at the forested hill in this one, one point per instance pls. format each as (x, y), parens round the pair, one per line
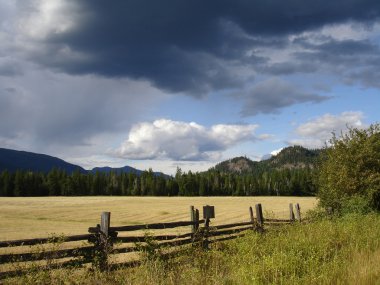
(13, 160)
(293, 157)
(289, 173)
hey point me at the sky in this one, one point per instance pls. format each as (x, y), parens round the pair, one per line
(178, 83)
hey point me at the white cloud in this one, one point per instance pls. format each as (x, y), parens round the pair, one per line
(167, 139)
(269, 155)
(317, 132)
(276, 151)
(43, 17)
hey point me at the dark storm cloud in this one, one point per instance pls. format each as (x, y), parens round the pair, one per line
(9, 68)
(188, 46)
(356, 61)
(344, 51)
(351, 60)
(289, 67)
(271, 95)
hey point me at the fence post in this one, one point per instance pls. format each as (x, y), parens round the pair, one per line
(196, 220)
(298, 212)
(192, 219)
(208, 213)
(291, 212)
(104, 241)
(105, 220)
(252, 217)
(206, 231)
(259, 216)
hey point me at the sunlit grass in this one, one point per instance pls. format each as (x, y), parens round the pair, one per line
(33, 217)
(336, 251)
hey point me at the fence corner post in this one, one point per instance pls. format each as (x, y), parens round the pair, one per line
(298, 212)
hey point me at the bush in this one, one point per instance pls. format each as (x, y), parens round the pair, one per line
(350, 170)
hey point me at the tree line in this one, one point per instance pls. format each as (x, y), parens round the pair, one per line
(279, 182)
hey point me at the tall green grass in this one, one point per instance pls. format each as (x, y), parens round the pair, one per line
(343, 250)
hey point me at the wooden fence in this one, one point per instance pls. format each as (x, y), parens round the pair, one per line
(103, 243)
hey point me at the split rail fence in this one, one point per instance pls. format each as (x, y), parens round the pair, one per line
(102, 245)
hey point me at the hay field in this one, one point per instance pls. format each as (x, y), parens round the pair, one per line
(34, 217)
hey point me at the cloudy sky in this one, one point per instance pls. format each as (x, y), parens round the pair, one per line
(184, 83)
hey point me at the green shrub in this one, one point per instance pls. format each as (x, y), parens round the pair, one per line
(349, 169)
(356, 204)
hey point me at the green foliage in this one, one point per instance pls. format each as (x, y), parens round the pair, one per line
(356, 205)
(351, 168)
(150, 249)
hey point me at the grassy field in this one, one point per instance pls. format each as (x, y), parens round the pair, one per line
(332, 250)
(40, 216)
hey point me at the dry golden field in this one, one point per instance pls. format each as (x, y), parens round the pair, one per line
(34, 217)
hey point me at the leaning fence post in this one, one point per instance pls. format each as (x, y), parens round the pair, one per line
(291, 212)
(298, 212)
(104, 242)
(252, 217)
(259, 216)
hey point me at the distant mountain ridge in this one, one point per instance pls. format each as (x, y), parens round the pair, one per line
(290, 157)
(125, 169)
(13, 160)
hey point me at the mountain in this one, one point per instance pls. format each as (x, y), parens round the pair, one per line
(288, 158)
(239, 164)
(125, 169)
(294, 157)
(107, 169)
(13, 160)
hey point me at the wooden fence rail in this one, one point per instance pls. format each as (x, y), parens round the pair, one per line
(35, 241)
(103, 237)
(158, 226)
